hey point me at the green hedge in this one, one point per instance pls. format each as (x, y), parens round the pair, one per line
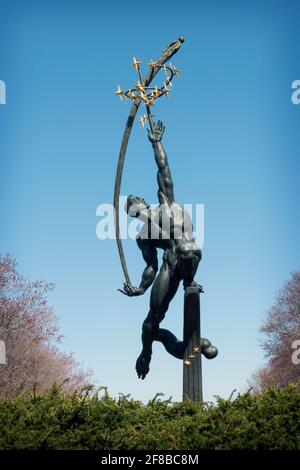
(55, 421)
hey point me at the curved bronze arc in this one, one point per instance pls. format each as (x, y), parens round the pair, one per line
(165, 56)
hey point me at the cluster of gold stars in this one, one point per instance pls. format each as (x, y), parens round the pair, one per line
(187, 362)
(146, 93)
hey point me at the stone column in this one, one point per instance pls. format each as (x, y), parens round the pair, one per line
(192, 366)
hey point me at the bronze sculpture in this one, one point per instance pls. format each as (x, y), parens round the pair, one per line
(167, 227)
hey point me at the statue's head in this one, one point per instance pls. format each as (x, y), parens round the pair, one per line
(135, 206)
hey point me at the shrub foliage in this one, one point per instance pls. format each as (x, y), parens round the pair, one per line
(54, 420)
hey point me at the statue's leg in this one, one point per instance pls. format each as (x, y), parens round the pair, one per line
(163, 291)
(188, 260)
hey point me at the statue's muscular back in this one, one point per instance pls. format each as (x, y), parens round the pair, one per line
(169, 226)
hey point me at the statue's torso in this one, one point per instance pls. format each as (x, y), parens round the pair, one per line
(170, 229)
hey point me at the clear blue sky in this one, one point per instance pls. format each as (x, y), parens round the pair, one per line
(229, 117)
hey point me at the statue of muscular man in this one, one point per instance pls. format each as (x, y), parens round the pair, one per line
(169, 228)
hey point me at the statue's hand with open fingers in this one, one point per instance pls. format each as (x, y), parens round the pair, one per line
(157, 133)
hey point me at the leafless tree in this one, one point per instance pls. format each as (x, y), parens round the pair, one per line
(281, 342)
(29, 329)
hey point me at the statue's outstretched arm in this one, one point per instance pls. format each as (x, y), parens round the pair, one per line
(164, 177)
(149, 253)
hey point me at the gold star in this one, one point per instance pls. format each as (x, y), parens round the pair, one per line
(176, 71)
(152, 64)
(119, 92)
(143, 119)
(166, 90)
(196, 349)
(149, 103)
(156, 92)
(187, 363)
(136, 63)
(140, 87)
(143, 96)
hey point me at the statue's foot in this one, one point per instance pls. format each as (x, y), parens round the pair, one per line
(142, 365)
(195, 284)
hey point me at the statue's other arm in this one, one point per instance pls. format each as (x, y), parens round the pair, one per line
(149, 253)
(164, 177)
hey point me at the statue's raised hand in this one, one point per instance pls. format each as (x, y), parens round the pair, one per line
(158, 131)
